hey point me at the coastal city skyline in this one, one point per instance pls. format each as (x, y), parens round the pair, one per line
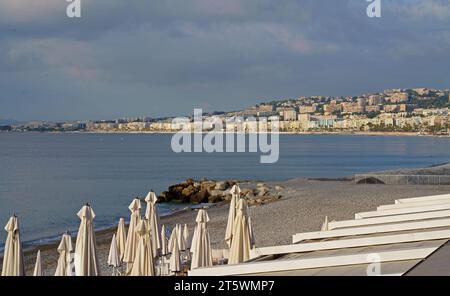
(164, 58)
(415, 110)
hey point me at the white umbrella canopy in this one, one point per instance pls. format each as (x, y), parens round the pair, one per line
(180, 239)
(143, 264)
(38, 265)
(132, 237)
(13, 255)
(121, 238)
(173, 237)
(175, 259)
(242, 236)
(201, 243)
(154, 224)
(86, 262)
(65, 248)
(325, 226)
(113, 256)
(235, 194)
(187, 237)
(164, 242)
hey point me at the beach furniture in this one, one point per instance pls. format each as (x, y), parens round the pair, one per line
(153, 226)
(121, 239)
(186, 237)
(13, 255)
(65, 249)
(132, 236)
(241, 243)
(235, 195)
(143, 263)
(396, 241)
(114, 256)
(86, 262)
(422, 198)
(201, 244)
(175, 265)
(38, 265)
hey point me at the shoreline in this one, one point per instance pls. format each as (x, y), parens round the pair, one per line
(309, 133)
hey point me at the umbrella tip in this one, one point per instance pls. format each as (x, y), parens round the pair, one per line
(88, 204)
(14, 215)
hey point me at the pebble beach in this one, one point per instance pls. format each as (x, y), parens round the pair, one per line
(302, 207)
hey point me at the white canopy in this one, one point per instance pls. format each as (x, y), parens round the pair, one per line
(175, 260)
(242, 236)
(201, 244)
(121, 238)
(143, 264)
(164, 242)
(113, 257)
(65, 249)
(152, 216)
(132, 237)
(38, 265)
(13, 255)
(86, 263)
(187, 237)
(235, 194)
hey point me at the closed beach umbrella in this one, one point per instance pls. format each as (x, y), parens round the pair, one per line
(86, 263)
(201, 244)
(113, 256)
(325, 226)
(173, 237)
(13, 255)
(132, 237)
(38, 265)
(164, 242)
(235, 194)
(187, 237)
(143, 264)
(121, 238)
(241, 243)
(175, 260)
(180, 239)
(153, 219)
(65, 249)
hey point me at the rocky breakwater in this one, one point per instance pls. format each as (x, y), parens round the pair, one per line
(209, 191)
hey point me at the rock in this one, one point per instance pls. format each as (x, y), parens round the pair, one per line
(200, 197)
(196, 185)
(262, 191)
(221, 186)
(278, 188)
(215, 199)
(219, 193)
(260, 184)
(166, 196)
(246, 192)
(190, 181)
(188, 191)
(227, 197)
(208, 185)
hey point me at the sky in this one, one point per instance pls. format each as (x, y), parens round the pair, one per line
(166, 57)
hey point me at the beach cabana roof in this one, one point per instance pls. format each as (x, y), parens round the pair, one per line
(391, 241)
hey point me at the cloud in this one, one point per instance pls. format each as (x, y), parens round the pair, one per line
(161, 57)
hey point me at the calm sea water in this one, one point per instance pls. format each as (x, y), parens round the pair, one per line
(46, 178)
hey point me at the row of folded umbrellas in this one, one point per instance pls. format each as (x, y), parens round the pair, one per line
(141, 249)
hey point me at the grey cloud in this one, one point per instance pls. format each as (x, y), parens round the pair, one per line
(136, 58)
